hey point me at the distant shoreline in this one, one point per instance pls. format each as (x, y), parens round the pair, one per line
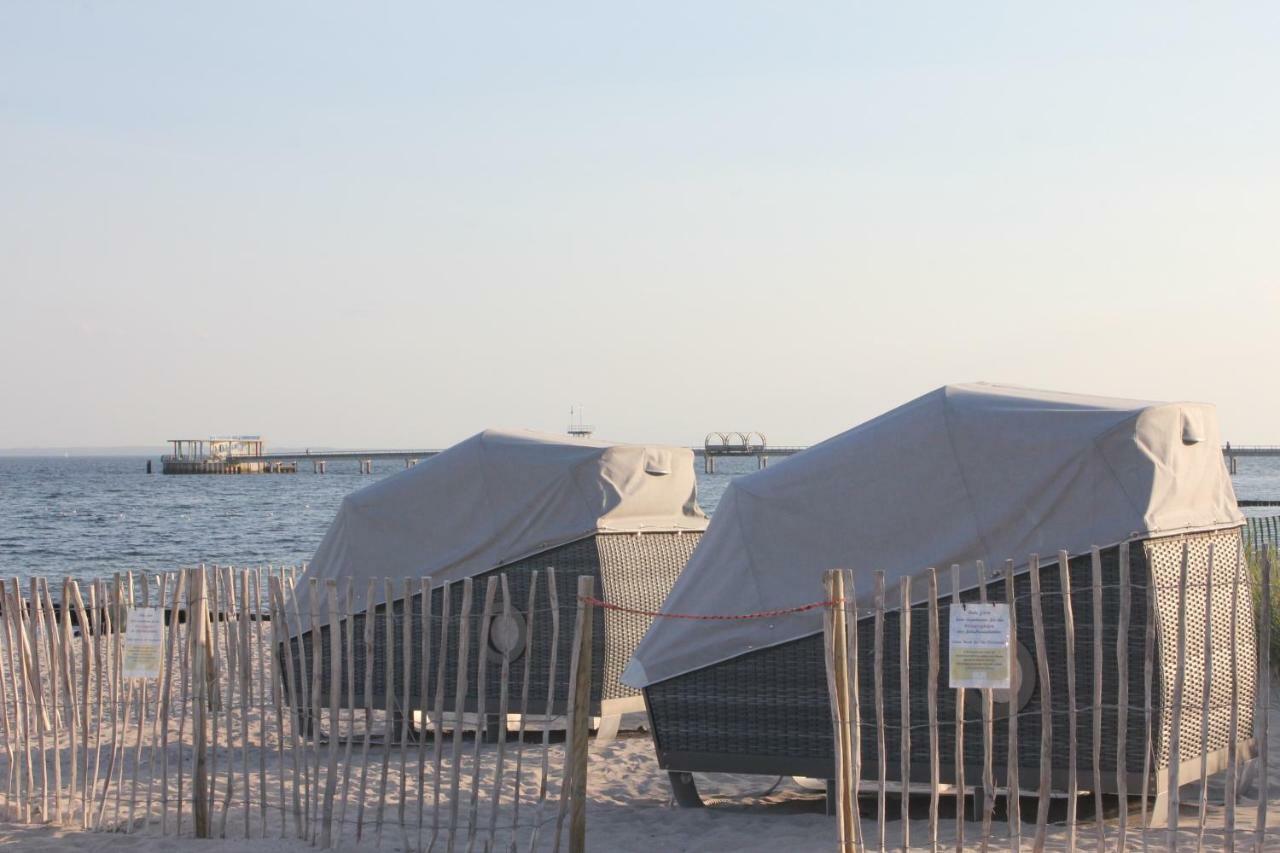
(58, 452)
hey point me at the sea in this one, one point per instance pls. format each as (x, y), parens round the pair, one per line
(90, 516)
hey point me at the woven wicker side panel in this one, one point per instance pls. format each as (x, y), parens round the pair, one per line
(774, 701)
(1029, 715)
(569, 561)
(636, 571)
(1166, 561)
(770, 702)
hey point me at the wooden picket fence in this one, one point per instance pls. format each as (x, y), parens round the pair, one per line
(857, 716)
(217, 742)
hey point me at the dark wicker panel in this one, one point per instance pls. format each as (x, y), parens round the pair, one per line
(569, 561)
(773, 703)
(652, 561)
(767, 703)
(636, 571)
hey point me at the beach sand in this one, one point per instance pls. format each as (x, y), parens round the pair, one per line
(629, 812)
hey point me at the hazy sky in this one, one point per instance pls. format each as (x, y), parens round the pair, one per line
(393, 225)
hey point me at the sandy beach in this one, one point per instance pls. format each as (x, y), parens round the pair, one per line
(629, 811)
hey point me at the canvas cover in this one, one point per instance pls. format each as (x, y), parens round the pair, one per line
(966, 472)
(498, 497)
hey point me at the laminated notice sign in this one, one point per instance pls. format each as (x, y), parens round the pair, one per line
(143, 642)
(980, 646)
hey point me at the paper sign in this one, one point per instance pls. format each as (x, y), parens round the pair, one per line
(143, 642)
(980, 646)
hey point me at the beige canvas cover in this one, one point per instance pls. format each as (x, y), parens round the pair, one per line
(966, 472)
(498, 497)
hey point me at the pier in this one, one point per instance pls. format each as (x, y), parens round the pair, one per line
(246, 454)
(237, 454)
(1232, 453)
(320, 459)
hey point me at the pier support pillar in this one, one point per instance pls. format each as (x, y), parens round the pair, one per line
(708, 464)
(366, 466)
(409, 463)
(317, 466)
(762, 462)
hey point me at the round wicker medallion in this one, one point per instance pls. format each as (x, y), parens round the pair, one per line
(506, 634)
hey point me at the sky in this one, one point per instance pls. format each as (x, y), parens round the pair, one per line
(393, 225)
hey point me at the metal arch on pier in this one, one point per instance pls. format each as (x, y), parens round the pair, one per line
(709, 447)
(739, 443)
(735, 443)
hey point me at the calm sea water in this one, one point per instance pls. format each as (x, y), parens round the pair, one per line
(87, 516)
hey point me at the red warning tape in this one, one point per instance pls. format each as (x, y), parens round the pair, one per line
(658, 614)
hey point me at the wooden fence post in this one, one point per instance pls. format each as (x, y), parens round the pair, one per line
(367, 638)
(530, 609)
(581, 717)
(315, 667)
(1122, 698)
(1013, 796)
(553, 605)
(389, 702)
(1046, 709)
(1069, 640)
(4, 718)
(264, 666)
(349, 619)
(1264, 666)
(31, 619)
(200, 688)
(459, 704)
(406, 708)
(504, 698)
(482, 692)
(959, 744)
(838, 687)
(424, 703)
(1095, 577)
(335, 701)
(988, 735)
(437, 713)
(881, 752)
(904, 699)
(69, 688)
(185, 691)
(86, 664)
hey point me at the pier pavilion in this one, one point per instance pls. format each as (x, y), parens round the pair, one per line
(220, 455)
